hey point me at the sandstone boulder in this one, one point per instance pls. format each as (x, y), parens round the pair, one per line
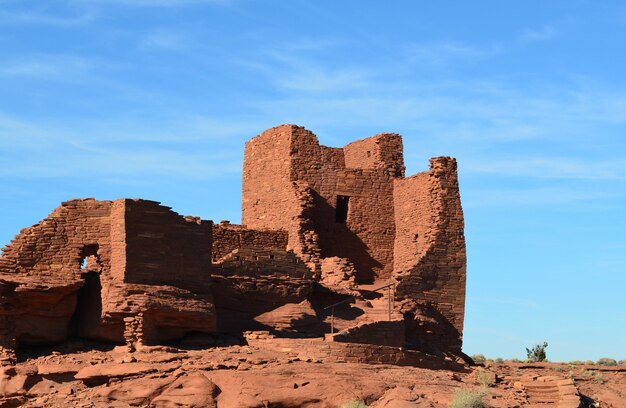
(193, 390)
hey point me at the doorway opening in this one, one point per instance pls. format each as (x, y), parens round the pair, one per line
(341, 212)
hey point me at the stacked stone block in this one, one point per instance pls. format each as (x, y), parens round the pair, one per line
(228, 237)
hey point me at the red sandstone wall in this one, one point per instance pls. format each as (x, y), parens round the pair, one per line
(271, 200)
(164, 248)
(135, 241)
(268, 200)
(291, 153)
(42, 271)
(228, 237)
(430, 245)
(249, 282)
(56, 245)
(382, 151)
(367, 236)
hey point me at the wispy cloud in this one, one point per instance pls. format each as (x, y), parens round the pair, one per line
(154, 3)
(547, 32)
(519, 302)
(164, 39)
(542, 196)
(45, 152)
(552, 168)
(439, 53)
(35, 17)
(45, 66)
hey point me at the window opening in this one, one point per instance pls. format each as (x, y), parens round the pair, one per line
(341, 214)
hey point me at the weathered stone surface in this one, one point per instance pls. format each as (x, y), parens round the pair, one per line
(105, 371)
(292, 317)
(135, 392)
(194, 390)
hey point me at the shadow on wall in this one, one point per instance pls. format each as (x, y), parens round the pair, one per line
(336, 239)
(429, 331)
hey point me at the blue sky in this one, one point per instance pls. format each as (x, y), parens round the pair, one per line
(155, 99)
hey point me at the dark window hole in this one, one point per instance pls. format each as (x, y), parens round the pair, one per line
(341, 214)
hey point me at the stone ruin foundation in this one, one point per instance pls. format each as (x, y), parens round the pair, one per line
(323, 229)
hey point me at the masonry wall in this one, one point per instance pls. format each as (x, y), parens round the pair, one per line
(164, 248)
(57, 245)
(366, 238)
(268, 201)
(292, 153)
(249, 282)
(430, 254)
(228, 237)
(271, 200)
(40, 271)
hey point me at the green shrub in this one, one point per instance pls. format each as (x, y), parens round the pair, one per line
(499, 360)
(355, 404)
(537, 353)
(606, 361)
(479, 358)
(575, 362)
(516, 360)
(469, 399)
(622, 362)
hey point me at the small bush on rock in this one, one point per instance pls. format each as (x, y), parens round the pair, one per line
(606, 361)
(469, 399)
(537, 353)
(479, 358)
(484, 378)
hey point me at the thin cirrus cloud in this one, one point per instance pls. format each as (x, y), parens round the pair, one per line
(46, 66)
(533, 197)
(441, 53)
(168, 40)
(100, 162)
(552, 168)
(152, 3)
(547, 32)
(82, 17)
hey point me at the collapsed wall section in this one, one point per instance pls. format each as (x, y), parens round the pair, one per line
(41, 272)
(430, 257)
(91, 265)
(57, 245)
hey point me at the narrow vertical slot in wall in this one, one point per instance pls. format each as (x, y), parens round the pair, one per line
(341, 213)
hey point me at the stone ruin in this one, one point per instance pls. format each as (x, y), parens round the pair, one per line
(323, 229)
